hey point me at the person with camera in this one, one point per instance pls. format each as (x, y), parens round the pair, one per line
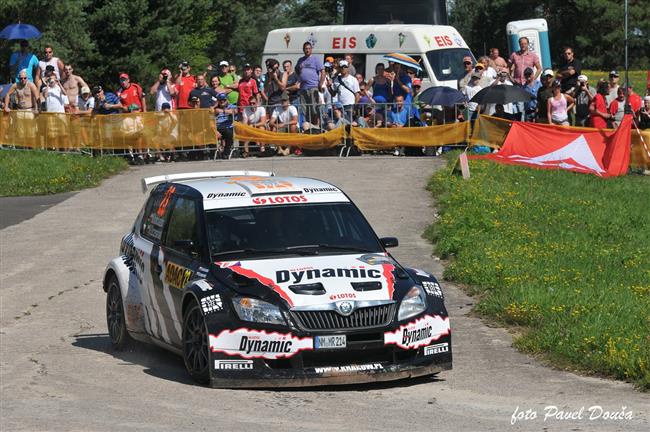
(346, 89)
(584, 94)
(185, 83)
(22, 96)
(274, 84)
(164, 90)
(53, 94)
(130, 93)
(644, 114)
(106, 102)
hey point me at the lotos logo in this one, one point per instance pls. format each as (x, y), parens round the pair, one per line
(291, 199)
(343, 296)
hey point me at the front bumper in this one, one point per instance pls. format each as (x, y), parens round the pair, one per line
(293, 361)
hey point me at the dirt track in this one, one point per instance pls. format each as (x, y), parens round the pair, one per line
(59, 373)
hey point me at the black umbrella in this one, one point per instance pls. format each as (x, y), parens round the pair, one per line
(501, 94)
(445, 96)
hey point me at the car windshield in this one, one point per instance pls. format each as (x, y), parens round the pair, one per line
(309, 229)
(447, 64)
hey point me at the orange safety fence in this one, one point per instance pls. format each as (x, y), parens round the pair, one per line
(427, 136)
(325, 140)
(138, 131)
(492, 132)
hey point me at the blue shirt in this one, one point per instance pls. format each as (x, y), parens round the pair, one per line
(399, 117)
(25, 61)
(532, 104)
(308, 70)
(111, 99)
(226, 120)
(398, 90)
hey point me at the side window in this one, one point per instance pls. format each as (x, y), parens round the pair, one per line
(182, 225)
(156, 214)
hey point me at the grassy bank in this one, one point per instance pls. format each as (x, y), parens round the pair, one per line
(564, 257)
(42, 172)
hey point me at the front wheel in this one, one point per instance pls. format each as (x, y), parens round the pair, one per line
(195, 345)
(115, 316)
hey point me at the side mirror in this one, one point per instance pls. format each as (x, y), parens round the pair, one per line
(389, 242)
(185, 246)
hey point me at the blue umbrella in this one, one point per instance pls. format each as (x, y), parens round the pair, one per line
(20, 31)
(445, 96)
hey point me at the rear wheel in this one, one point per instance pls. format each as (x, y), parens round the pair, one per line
(115, 316)
(195, 345)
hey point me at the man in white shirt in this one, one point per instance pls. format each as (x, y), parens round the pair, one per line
(85, 101)
(54, 94)
(285, 119)
(254, 115)
(346, 87)
(49, 60)
(164, 89)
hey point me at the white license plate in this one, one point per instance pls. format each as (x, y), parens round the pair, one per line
(330, 342)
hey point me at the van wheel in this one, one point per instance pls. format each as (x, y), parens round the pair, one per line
(195, 345)
(115, 320)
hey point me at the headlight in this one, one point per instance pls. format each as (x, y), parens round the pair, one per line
(250, 309)
(413, 303)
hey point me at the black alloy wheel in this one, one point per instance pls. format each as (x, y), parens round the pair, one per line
(115, 316)
(195, 345)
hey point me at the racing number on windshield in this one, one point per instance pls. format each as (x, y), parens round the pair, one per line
(162, 208)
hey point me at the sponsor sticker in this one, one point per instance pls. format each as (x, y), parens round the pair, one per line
(436, 349)
(418, 333)
(432, 288)
(321, 190)
(176, 275)
(233, 364)
(349, 368)
(211, 303)
(251, 344)
(215, 195)
(282, 199)
(295, 277)
(203, 285)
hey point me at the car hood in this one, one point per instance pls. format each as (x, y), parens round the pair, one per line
(308, 281)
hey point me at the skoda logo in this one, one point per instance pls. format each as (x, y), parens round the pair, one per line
(345, 308)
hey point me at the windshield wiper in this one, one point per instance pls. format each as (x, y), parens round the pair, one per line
(270, 251)
(331, 246)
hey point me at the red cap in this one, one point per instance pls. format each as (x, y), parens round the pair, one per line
(124, 75)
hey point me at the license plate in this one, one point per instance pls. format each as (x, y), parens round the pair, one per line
(330, 342)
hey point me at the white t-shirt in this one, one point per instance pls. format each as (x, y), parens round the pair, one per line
(345, 96)
(163, 96)
(470, 91)
(251, 116)
(284, 116)
(56, 100)
(54, 61)
(85, 105)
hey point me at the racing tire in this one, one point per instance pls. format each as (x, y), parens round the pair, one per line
(115, 319)
(196, 353)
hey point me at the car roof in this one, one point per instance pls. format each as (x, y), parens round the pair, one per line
(245, 190)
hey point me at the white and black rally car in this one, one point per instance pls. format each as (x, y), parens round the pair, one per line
(258, 280)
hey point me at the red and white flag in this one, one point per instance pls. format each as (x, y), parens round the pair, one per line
(601, 152)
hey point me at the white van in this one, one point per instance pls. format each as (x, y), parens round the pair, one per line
(438, 49)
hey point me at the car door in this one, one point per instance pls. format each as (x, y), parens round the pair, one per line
(147, 245)
(179, 259)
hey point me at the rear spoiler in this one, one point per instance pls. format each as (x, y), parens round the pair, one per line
(148, 181)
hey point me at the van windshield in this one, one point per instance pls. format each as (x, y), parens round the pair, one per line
(447, 64)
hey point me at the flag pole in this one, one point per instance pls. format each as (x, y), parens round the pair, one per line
(628, 108)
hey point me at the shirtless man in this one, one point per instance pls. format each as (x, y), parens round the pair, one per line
(72, 84)
(26, 94)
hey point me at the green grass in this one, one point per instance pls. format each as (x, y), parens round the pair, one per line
(637, 78)
(41, 172)
(564, 257)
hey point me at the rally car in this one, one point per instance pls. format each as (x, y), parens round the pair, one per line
(266, 281)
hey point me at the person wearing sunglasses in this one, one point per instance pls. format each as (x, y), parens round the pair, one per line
(24, 95)
(49, 60)
(468, 67)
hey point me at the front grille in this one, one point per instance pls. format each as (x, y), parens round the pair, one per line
(362, 318)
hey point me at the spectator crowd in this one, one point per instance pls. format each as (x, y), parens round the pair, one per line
(314, 96)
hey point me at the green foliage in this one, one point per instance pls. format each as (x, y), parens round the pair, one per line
(563, 255)
(105, 37)
(41, 173)
(594, 28)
